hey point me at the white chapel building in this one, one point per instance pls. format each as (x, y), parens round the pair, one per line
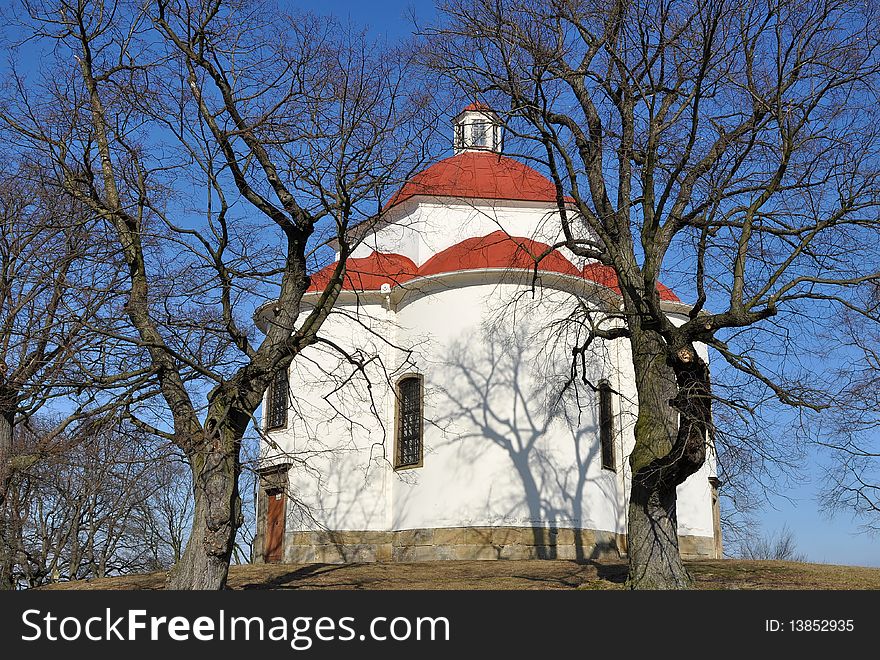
(461, 433)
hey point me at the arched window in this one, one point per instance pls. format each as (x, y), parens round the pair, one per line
(606, 424)
(276, 401)
(409, 424)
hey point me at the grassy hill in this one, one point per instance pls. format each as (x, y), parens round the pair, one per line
(544, 574)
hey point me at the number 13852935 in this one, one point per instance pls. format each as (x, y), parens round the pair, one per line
(809, 625)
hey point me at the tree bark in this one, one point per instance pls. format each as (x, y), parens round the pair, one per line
(7, 421)
(6, 550)
(6, 564)
(204, 564)
(654, 557)
(670, 445)
(7, 553)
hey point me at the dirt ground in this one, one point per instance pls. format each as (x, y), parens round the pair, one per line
(541, 574)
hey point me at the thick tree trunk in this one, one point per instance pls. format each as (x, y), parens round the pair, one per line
(7, 420)
(7, 553)
(654, 558)
(9, 538)
(670, 445)
(217, 512)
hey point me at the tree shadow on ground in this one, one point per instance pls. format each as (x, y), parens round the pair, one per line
(610, 572)
(285, 580)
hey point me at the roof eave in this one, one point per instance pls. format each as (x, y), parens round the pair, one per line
(347, 296)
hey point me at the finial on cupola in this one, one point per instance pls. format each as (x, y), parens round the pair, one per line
(477, 128)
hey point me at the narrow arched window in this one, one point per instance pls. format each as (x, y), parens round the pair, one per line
(606, 424)
(276, 401)
(409, 422)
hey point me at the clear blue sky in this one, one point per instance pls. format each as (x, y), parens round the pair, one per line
(820, 537)
(385, 17)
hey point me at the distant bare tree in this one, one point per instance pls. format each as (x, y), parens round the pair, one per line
(51, 289)
(164, 517)
(110, 501)
(853, 437)
(779, 546)
(730, 147)
(222, 143)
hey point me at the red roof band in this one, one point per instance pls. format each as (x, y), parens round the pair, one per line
(368, 273)
(478, 175)
(497, 250)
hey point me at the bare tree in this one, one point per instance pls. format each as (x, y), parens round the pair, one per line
(853, 476)
(46, 297)
(164, 515)
(110, 501)
(50, 292)
(222, 144)
(728, 146)
(779, 546)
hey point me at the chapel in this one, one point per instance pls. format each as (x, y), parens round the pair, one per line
(442, 418)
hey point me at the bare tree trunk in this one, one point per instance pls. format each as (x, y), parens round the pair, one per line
(7, 419)
(7, 553)
(654, 558)
(670, 445)
(216, 515)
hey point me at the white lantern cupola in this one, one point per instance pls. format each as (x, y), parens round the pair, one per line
(477, 128)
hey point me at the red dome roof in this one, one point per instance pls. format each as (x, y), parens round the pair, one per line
(605, 275)
(666, 293)
(478, 175)
(368, 273)
(476, 106)
(497, 250)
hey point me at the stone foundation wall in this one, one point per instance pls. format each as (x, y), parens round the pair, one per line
(698, 547)
(468, 543)
(450, 543)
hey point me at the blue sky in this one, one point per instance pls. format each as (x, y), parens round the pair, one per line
(385, 17)
(821, 537)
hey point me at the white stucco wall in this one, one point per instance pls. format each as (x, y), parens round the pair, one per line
(339, 476)
(420, 229)
(502, 446)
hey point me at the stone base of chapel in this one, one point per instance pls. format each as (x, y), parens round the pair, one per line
(462, 543)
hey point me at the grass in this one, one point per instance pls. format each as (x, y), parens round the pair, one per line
(535, 574)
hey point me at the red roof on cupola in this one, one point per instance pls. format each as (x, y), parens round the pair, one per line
(478, 175)
(498, 250)
(476, 106)
(478, 171)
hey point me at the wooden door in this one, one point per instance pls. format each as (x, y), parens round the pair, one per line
(274, 544)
